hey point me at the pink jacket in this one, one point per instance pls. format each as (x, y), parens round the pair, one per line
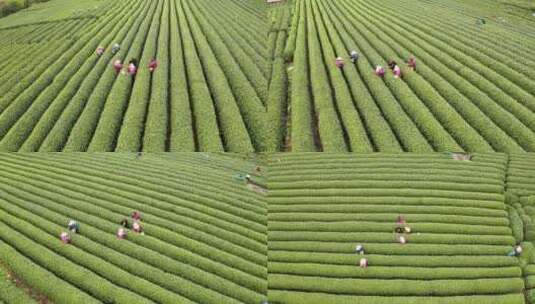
(65, 238)
(397, 72)
(121, 233)
(380, 71)
(132, 70)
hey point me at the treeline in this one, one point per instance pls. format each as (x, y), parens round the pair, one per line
(11, 6)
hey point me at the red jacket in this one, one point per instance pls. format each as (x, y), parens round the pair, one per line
(153, 65)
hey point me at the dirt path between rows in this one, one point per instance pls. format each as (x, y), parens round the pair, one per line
(32, 293)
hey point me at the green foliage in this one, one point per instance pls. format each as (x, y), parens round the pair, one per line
(516, 225)
(42, 279)
(9, 291)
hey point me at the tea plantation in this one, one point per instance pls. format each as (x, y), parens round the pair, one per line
(207, 93)
(472, 87)
(204, 231)
(464, 220)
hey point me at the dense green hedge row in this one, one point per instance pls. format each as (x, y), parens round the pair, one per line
(390, 218)
(108, 225)
(388, 260)
(21, 56)
(398, 287)
(445, 115)
(436, 135)
(98, 118)
(377, 184)
(299, 297)
(327, 113)
(22, 59)
(252, 25)
(372, 208)
(423, 238)
(250, 33)
(394, 272)
(277, 103)
(180, 128)
(388, 249)
(366, 193)
(154, 129)
(301, 110)
(368, 226)
(471, 139)
(386, 161)
(414, 177)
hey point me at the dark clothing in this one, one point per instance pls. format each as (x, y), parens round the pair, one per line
(125, 224)
(412, 64)
(392, 64)
(136, 215)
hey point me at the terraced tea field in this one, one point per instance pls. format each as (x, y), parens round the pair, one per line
(473, 88)
(204, 231)
(321, 206)
(208, 92)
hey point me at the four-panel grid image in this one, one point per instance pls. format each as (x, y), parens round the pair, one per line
(267, 151)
